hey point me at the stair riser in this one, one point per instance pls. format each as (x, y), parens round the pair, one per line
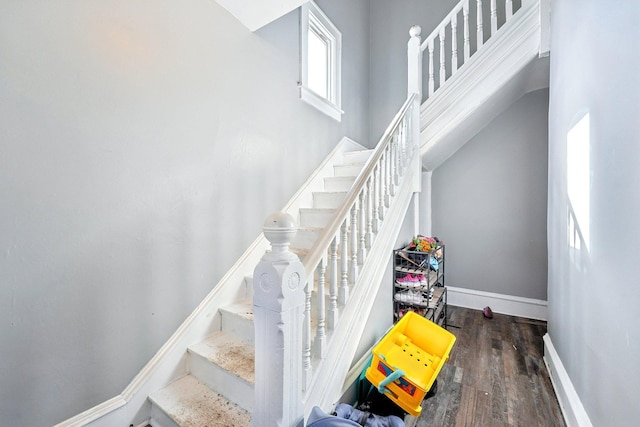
(338, 183)
(328, 200)
(348, 169)
(315, 218)
(160, 419)
(248, 284)
(356, 156)
(305, 239)
(230, 386)
(237, 326)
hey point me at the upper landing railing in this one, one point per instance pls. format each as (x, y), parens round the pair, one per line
(444, 55)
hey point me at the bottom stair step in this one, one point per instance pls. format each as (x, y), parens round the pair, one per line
(188, 403)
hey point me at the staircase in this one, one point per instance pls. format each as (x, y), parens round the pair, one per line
(220, 379)
(349, 213)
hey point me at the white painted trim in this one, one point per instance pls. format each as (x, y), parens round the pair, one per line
(505, 304)
(322, 104)
(570, 403)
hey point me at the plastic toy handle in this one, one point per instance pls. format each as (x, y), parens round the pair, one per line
(382, 387)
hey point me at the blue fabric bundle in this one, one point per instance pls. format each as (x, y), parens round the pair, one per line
(347, 415)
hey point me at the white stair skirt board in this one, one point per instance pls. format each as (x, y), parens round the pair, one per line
(570, 403)
(505, 304)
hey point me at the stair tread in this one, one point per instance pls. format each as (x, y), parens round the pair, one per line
(192, 404)
(229, 353)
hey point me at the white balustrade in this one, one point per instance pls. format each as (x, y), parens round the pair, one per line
(439, 36)
(343, 247)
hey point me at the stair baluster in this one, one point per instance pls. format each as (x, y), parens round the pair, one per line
(480, 31)
(343, 294)
(431, 79)
(321, 335)
(443, 69)
(353, 271)
(494, 17)
(307, 369)
(362, 218)
(333, 284)
(369, 213)
(375, 218)
(467, 45)
(454, 44)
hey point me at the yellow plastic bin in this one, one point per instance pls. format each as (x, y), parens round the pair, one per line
(408, 359)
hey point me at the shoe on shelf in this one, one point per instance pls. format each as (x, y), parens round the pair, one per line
(411, 297)
(422, 279)
(408, 281)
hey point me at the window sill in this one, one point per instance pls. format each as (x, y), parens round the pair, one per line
(322, 104)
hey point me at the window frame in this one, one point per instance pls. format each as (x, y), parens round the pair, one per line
(312, 18)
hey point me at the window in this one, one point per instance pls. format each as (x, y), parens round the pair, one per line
(321, 51)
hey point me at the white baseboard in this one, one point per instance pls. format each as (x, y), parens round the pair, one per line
(505, 304)
(570, 403)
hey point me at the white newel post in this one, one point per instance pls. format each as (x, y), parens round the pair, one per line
(278, 307)
(414, 57)
(414, 79)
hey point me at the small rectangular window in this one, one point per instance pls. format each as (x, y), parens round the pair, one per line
(320, 62)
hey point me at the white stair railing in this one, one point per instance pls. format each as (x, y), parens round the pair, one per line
(449, 54)
(341, 250)
(336, 259)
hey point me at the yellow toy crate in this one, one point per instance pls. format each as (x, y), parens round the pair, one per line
(408, 359)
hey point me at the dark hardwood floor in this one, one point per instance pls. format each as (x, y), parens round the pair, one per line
(495, 376)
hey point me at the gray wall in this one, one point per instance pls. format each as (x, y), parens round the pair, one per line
(142, 144)
(390, 24)
(593, 295)
(489, 204)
